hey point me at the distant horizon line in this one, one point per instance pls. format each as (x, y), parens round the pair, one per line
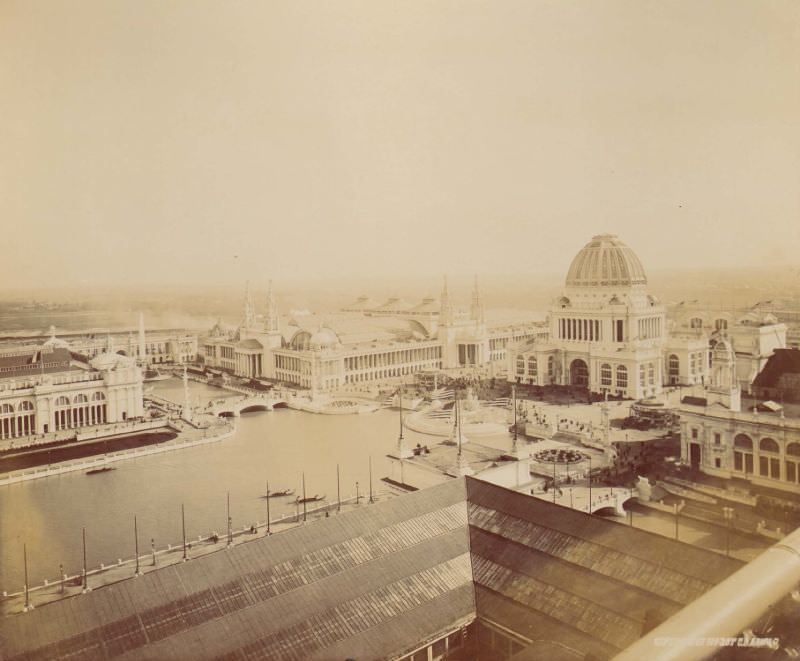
(261, 282)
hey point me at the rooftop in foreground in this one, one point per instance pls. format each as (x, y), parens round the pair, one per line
(386, 580)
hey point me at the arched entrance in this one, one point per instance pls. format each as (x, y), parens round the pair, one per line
(579, 373)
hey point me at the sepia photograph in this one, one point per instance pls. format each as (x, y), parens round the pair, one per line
(434, 330)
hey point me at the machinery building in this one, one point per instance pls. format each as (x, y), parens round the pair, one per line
(363, 345)
(150, 348)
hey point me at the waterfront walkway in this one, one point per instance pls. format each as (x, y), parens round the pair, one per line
(186, 436)
(13, 599)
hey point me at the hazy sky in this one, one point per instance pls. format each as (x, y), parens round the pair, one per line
(219, 141)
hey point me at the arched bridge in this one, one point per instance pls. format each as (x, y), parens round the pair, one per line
(604, 499)
(609, 501)
(235, 406)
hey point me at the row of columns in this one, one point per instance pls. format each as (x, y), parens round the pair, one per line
(391, 358)
(19, 425)
(248, 365)
(292, 364)
(589, 330)
(81, 416)
(387, 373)
(649, 328)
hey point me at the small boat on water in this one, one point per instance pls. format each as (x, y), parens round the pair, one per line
(279, 494)
(310, 499)
(103, 469)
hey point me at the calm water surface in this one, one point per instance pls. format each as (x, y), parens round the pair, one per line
(48, 513)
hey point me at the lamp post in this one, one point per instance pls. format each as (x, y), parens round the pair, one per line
(630, 510)
(590, 483)
(727, 512)
(25, 559)
(677, 508)
(514, 398)
(305, 509)
(230, 520)
(183, 530)
(85, 577)
(554, 479)
(268, 515)
(136, 571)
(338, 491)
(371, 500)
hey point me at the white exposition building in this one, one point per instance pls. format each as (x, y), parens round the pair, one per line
(364, 344)
(720, 439)
(155, 347)
(754, 333)
(606, 332)
(46, 389)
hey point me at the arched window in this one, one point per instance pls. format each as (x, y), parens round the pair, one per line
(769, 466)
(793, 465)
(721, 324)
(743, 454)
(81, 399)
(696, 322)
(98, 396)
(532, 366)
(622, 376)
(768, 445)
(673, 368)
(551, 367)
(26, 406)
(62, 401)
(605, 374)
(7, 408)
(520, 365)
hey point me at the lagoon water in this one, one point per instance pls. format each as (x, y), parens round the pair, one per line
(48, 514)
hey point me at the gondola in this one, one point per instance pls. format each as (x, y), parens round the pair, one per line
(279, 494)
(104, 469)
(310, 499)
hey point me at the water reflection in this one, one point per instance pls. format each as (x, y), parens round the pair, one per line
(277, 446)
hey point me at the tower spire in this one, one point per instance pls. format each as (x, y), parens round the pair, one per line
(446, 309)
(476, 309)
(271, 320)
(249, 309)
(142, 345)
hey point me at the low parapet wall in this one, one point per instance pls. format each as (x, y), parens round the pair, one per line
(90, 463)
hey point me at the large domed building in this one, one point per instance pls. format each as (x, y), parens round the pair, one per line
(607, 333)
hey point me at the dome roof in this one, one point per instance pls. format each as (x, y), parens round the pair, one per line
(606, 262)
(324, 337)
(110, 361)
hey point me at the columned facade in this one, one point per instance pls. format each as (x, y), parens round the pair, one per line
(606, 333)
(110, 390)
(763, 449)
(356, 349)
